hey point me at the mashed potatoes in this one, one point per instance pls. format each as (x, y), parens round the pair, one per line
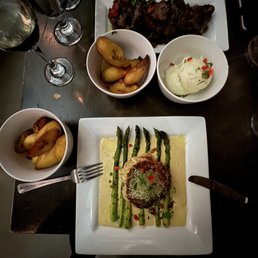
(190, 76)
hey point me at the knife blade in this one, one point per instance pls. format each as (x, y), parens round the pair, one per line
(220, 188)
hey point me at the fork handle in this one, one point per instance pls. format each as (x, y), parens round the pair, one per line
(26, 187)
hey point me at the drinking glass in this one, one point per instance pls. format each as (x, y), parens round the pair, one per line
(254, 123)
(71, 4)
(19, 31)
(67, 31)
(251, 53)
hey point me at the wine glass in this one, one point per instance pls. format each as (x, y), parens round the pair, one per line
(19, 31)
(67, 31)
(251, 53)
(71, 4)
(254, 123)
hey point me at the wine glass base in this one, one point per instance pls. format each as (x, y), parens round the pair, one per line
(68, 34)
(60, 81)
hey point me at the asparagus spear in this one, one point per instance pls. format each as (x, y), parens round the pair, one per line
(125, 158)
(125, 145)
(158, 146)
(114, 191)
(141, 216)
(166, 210)
(147, 149)
(147, 140)
(128, 206)
(127, 215)
(137, 140)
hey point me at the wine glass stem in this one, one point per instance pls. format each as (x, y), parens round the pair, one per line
(57, 69)
(40, 53)
(66, 27)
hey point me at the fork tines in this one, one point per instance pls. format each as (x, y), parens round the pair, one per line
(90, 172)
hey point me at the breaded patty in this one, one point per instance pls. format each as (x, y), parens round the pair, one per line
(146, 181)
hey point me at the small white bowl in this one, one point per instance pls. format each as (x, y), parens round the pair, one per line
(17, 165)
(133, 45)
(194, 46)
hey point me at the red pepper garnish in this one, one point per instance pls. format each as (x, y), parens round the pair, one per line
(136, 217)
(116, 168)
(142, 170)
(130, 145)
(153, 211)
(151, 178)
(205, 60)
(205, 67)
(153, 150)
(189, 59)
(211, 71)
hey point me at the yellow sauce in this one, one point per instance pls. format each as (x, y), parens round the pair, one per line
(177, 169)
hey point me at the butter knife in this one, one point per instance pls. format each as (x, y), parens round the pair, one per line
(220, 188)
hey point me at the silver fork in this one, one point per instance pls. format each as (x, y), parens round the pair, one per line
(77, 175)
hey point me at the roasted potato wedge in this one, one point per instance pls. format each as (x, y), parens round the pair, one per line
(53, 156)
(43, 143)
(137, 73)
(40, 123)
(20, 147)
(29, 140)
(34, 160)
(111, 52)
(120, 87)
(52, 124)
(134, 61)
(110, 73)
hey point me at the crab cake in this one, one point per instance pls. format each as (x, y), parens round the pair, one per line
(146, 181)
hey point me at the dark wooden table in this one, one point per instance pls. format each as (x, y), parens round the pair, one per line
(233, 149)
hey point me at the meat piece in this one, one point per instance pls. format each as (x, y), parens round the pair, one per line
(146, 181)
(137, 15)
(200, 17)
(160, 21)
(124, 15)
(159, 11)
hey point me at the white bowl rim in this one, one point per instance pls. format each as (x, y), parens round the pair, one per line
(130, 94)
(54, 168)
(182, 100)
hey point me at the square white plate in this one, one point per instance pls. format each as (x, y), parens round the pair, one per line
(194, 238)
(217, 32)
